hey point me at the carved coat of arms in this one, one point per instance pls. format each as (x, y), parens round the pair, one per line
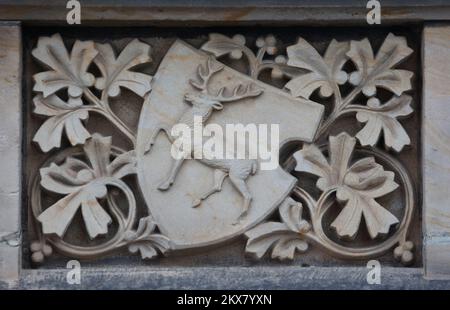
(198, 202)
(167, 105)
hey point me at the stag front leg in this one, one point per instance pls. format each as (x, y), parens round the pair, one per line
(171, 177)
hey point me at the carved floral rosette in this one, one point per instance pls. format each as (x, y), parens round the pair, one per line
(351, 171)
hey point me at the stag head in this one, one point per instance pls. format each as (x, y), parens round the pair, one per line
(202, 101)
(205, 99)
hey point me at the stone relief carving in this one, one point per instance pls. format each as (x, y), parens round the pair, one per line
(84, 184)
(355, 187)
(69, 72)
(352, 172)
(202, 106)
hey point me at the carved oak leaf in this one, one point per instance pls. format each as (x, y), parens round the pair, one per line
(68, 71)
(116, 71)
(326, 73)
(383, 118)
(220, 45)
(377, 71)
(65, 116)
(283, 238)
(146, 241)
(83, 184)
(356, 186)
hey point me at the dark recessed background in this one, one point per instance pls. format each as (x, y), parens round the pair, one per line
(128, 106)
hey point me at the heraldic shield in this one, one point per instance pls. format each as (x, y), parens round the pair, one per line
(197, 203)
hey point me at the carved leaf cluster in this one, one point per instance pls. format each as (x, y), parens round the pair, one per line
(373, 72)
(235, 47)
(83, 184)
(220, 45)
(146, 241)
(325, 73)
(116, 71)
(67, 71)
(356, 185)
(62, 116)
(70, 72)
(284, 238)
(383, 119)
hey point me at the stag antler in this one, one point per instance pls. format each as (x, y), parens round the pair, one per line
(205, 73)
(239, 92)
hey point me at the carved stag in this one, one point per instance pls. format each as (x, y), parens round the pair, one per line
(202, 104)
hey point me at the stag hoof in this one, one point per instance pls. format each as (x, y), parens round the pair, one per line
(240, 218)
(197, 202)
(237, 221)
(165, 185)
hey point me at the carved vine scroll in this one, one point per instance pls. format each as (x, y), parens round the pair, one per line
(352, 172)
(83, 183)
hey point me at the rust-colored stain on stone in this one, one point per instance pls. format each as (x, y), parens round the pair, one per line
(396, 12)
(237, 14)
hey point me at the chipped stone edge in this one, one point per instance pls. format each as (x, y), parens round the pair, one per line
(10, 185)
(435, 118)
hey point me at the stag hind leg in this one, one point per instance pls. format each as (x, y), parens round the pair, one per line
(219, 177)
(241, 186)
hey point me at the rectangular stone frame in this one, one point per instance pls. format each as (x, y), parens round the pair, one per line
(10, 150)
(435, 150)
(435, 158)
